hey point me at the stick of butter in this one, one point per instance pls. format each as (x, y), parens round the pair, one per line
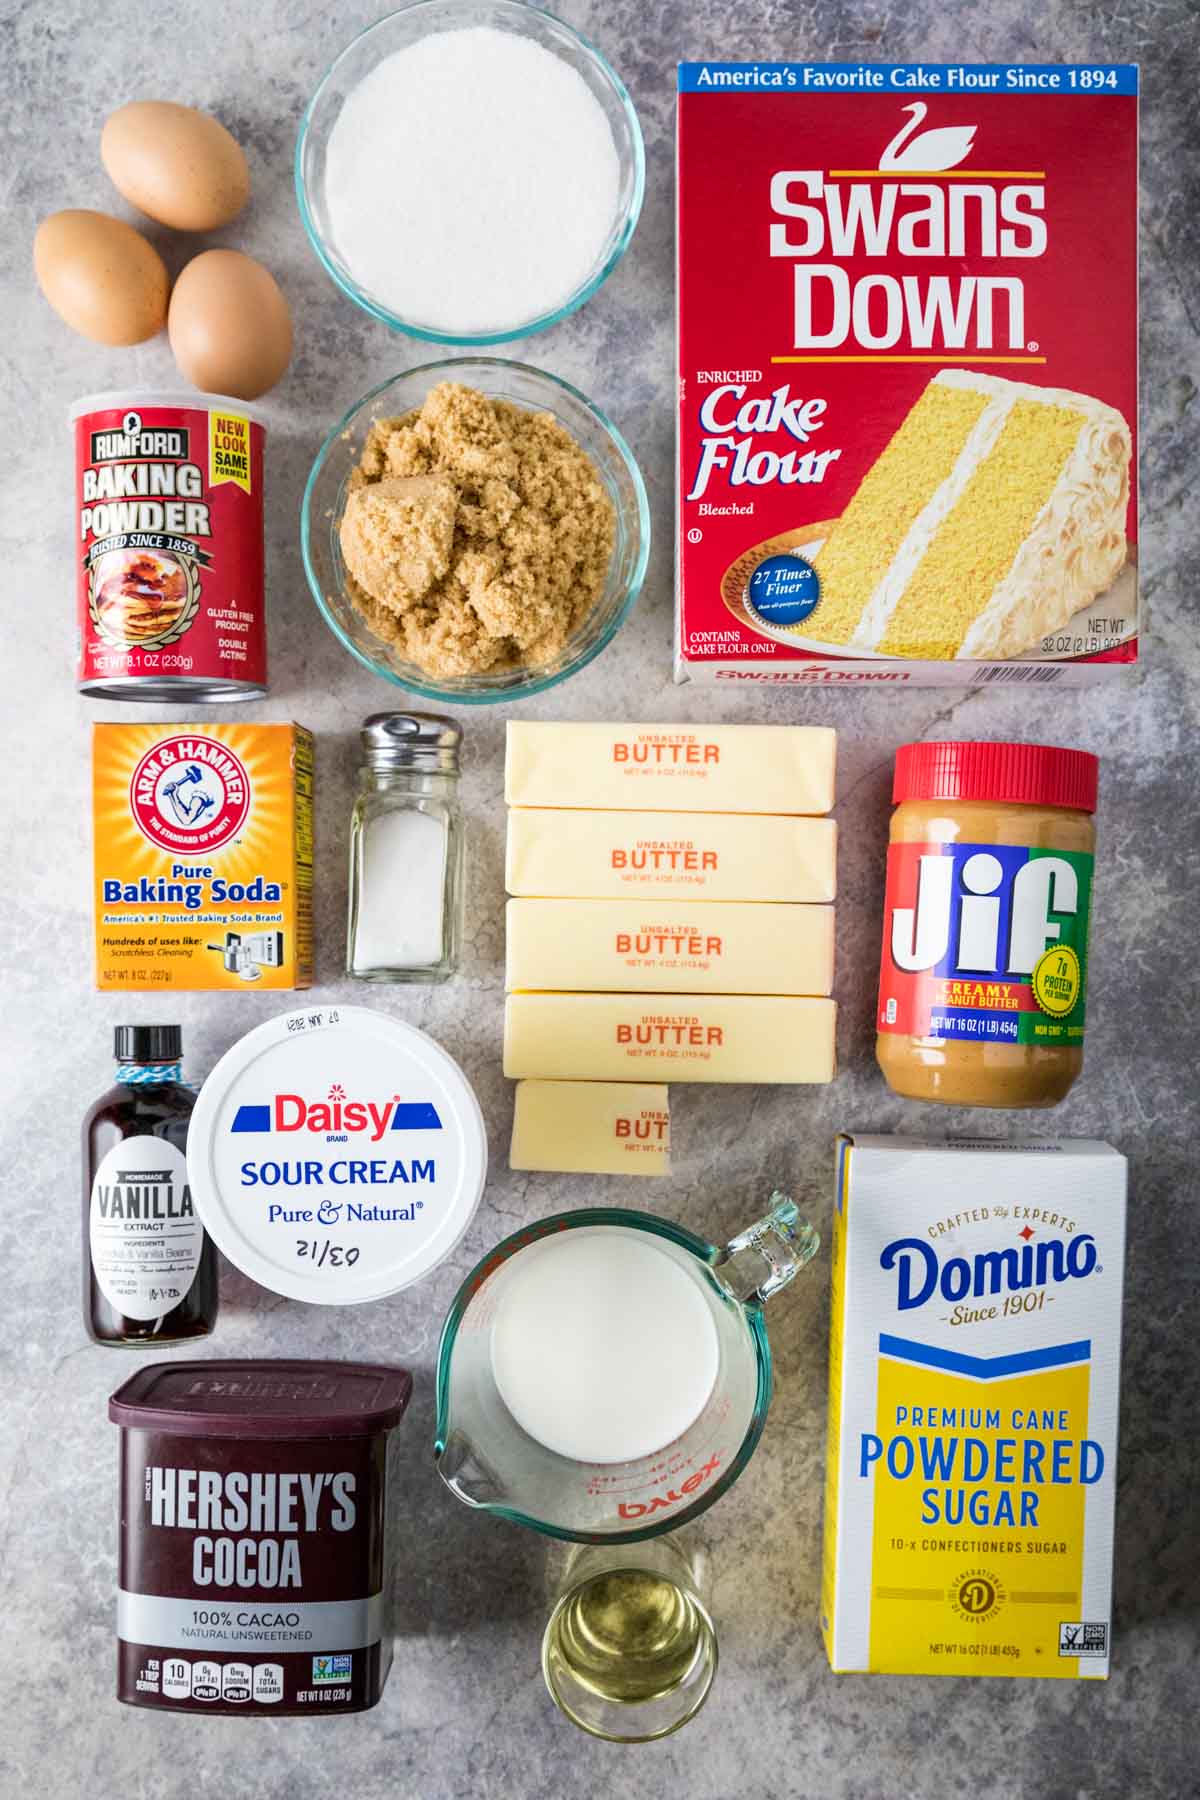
(652, 1037)
(670, 946)
(709, 856)
(672, 768)
(591, 1128)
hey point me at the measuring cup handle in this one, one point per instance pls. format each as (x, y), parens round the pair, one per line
(760, 1260)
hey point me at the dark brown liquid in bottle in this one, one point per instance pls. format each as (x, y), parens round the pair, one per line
(157, 1211)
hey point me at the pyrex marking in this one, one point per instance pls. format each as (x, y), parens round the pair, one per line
(641, 1509)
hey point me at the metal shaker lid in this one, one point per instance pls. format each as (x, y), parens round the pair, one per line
(412, 740)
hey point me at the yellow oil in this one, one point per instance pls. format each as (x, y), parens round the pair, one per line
(629, 1635)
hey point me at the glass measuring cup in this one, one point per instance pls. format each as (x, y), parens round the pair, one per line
(489, 1462)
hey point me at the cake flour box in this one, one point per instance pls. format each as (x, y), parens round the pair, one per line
(907, 373)
(974, 1365)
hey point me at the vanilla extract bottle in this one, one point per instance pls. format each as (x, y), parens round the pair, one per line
(149, 1268)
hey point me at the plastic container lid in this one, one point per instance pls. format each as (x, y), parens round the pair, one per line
(280, 1398)
(1021, 774)
(336, 1155)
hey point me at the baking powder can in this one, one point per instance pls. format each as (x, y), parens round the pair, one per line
(169, 552)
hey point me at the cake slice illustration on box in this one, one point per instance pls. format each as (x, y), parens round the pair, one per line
(992, 516)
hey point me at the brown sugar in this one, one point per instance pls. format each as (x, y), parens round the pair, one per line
(476, 534)
(397, 535)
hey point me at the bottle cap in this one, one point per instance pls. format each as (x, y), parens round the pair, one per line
(412, 740)
(336, 1155)
(148, 1043)
(1020, 774)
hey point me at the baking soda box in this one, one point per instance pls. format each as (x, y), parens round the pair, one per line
(973, 1380)
(203, 856)
(907, 373)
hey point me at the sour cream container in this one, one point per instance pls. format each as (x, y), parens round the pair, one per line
(336, 1155)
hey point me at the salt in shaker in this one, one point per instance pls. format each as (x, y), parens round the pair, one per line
(406, 851)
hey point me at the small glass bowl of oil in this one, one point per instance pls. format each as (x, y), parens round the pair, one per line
(630, 1651)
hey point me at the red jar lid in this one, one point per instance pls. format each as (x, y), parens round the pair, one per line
(1021, 774)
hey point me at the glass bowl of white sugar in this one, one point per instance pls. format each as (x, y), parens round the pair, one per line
(470, 171)
(534, 391)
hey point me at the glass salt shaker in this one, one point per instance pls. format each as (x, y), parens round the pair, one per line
(406, 851)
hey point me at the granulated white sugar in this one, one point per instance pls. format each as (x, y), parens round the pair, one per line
(471, 181)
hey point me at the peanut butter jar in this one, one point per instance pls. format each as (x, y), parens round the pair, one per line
(983, 973)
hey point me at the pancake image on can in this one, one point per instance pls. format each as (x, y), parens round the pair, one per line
(141, 597)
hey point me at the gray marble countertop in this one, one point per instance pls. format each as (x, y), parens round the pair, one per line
(465, 1713)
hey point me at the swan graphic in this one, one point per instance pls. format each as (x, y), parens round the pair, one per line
(940, 149)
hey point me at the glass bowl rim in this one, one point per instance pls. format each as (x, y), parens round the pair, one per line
(520, 689)
(427, 333)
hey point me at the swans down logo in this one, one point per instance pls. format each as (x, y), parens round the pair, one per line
(933, 227)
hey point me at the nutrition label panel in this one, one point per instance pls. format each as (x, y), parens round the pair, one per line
(175, 1678)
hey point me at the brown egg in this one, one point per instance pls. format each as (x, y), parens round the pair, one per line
(101, 276)
(179, 165)
(229, 325)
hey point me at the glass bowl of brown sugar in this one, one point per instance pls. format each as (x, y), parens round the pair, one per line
(475, 530)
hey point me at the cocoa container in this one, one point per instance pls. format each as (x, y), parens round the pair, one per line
(255, 1567)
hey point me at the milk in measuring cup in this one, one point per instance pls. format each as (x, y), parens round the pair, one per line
(603, 1348)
